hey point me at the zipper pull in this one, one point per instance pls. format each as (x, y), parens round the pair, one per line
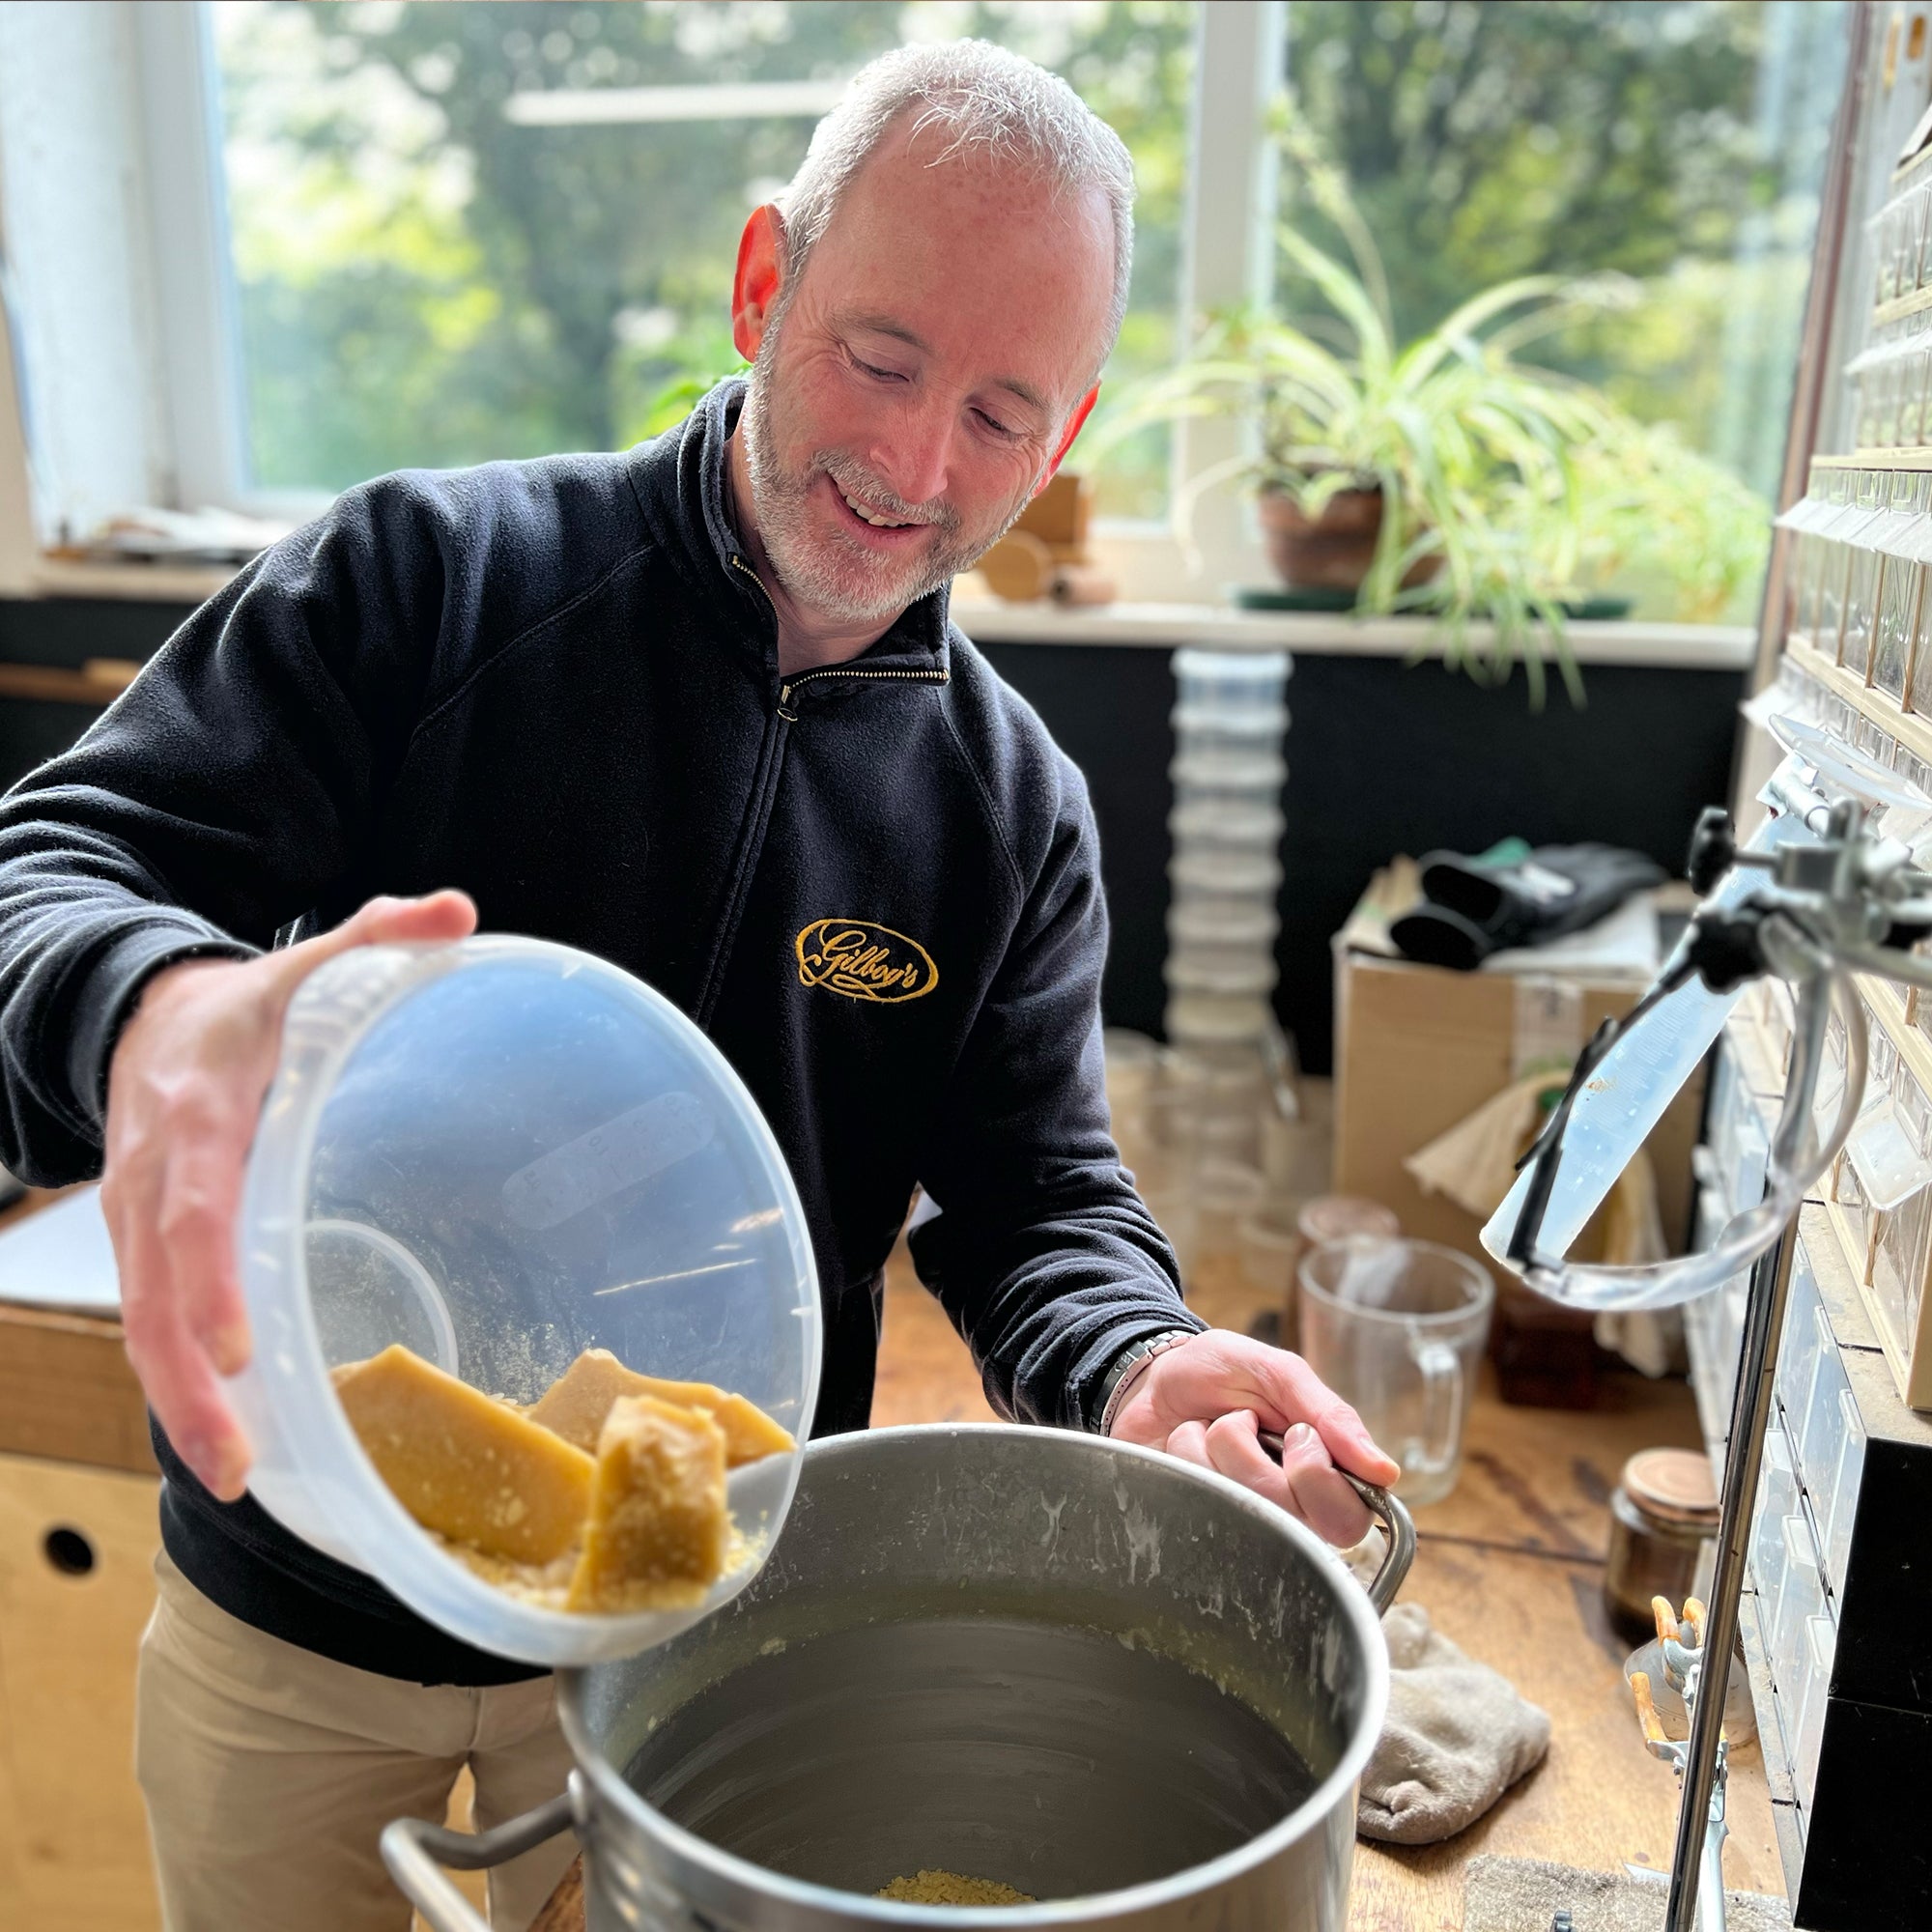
(784, 698)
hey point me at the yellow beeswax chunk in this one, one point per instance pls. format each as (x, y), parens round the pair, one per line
(463, 1463)
(658, 1532)
(577, 1402)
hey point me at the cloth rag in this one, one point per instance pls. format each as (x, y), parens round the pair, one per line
(1457, 1737)
(1524, 1894)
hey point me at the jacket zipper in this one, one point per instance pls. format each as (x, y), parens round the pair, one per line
(843, 670)
(764, 790)
(791, 683)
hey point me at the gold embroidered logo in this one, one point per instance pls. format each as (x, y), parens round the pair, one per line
(864, 962)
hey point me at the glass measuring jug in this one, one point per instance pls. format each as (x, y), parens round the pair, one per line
(1397, 1328)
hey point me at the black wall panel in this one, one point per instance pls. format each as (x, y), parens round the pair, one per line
(1383, 757)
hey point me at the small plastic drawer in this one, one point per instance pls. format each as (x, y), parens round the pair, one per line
(1750, 1155)
(1810, 1701)
(1797, 1350)
(1801, 1596)
(1722, 1110)
(1803, 1280)
(1853, 1208)
(1844, 1504)
(1777, 1499)
(1818, 1436)
(1783, 1739)
(1777, 1014)
(1713, 1214)
(1738, 1145)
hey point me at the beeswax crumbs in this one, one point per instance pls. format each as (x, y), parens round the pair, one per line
(945, 1887)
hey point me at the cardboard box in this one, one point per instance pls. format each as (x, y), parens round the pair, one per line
(1418, 1049)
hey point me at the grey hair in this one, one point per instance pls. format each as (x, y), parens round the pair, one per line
(984, 100)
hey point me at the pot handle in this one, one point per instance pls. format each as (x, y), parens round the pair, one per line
(414, 1850)
(1396, 1519)
(1393, 1516)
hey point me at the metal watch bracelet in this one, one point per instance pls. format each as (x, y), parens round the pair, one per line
(1131, 1366)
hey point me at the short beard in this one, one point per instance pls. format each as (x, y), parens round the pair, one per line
(841, 582)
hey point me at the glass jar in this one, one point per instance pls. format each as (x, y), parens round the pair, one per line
(1663, 1512)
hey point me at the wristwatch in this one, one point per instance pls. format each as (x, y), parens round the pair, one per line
(1128, 1368)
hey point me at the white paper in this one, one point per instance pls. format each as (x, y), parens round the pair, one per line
(1621, 946)
(60, 1258)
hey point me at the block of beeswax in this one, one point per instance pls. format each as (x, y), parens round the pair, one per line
(463, 1463)
(577, 1402)
(658, 1529)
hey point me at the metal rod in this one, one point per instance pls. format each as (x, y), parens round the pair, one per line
(1744, 1456)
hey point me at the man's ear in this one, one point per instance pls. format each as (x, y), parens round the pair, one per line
(1082, 411)
(758, 279)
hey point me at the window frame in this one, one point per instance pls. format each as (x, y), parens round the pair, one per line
(1227, 256)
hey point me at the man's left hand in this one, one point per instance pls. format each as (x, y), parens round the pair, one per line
(1206, 1402)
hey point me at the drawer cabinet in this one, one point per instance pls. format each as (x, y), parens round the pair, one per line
(76, 1584)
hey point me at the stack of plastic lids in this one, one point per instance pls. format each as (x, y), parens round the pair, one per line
(1225, 872)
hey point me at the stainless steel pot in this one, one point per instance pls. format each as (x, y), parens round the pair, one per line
(1109, 1678)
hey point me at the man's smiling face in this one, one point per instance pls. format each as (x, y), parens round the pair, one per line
(925, 375)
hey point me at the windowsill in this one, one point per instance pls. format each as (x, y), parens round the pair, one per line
(1152, 626)
(136, 583)
(1163, 626)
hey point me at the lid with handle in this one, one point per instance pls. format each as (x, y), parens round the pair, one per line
(502, 1156)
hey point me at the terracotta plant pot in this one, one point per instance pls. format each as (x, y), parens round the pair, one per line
(1334, 551)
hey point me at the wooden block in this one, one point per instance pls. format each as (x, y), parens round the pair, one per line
(1060, 515)
(68, 1393)
(73, 1840)
(1019, 567)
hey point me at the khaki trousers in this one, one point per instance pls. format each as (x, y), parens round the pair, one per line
(269, 1773)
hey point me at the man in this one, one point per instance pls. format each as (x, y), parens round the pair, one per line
(679, 707)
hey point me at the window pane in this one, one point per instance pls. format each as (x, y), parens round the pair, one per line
(448, 248)
(1680, 144)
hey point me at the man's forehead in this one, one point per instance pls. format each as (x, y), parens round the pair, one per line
(920, 226)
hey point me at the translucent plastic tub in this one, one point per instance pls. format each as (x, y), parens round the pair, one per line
(501, 1153)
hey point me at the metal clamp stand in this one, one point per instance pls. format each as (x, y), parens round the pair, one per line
(1744, 1456)
(1850, 901)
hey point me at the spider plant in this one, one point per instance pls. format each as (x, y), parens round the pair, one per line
(1475, 454)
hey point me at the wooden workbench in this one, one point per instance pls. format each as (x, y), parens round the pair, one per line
(1510, 1566)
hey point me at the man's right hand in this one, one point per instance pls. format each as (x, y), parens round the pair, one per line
(185, 1091)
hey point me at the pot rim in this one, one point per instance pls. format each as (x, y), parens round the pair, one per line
(827, 1905)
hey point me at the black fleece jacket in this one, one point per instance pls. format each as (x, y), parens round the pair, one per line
(555, 686)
